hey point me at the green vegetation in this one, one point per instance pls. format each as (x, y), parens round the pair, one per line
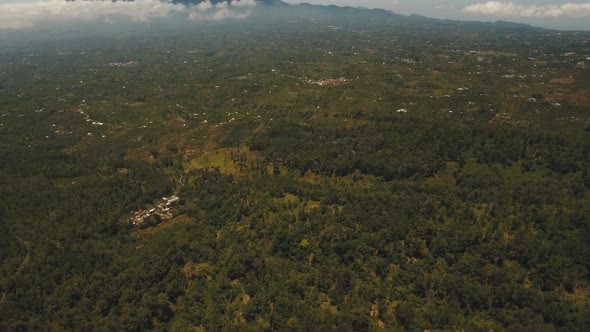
(443, 185)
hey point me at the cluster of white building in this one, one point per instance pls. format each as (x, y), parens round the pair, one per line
(162, 210)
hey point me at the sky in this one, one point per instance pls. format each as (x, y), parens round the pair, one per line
(558, 14)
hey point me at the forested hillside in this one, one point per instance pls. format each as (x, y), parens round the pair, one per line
(332, 175)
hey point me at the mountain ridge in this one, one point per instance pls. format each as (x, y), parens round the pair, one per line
(350, 10)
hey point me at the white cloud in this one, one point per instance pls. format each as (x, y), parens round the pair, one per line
(206, 11)
(23, 15)
(26, 15)
(512, 9)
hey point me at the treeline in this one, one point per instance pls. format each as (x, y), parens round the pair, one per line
(403, 148)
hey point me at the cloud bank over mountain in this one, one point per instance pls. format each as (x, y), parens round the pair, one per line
(25, 15)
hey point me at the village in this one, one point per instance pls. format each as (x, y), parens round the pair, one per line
(161, 208)
(328, 81)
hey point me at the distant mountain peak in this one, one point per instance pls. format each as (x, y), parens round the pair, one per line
(508, 24)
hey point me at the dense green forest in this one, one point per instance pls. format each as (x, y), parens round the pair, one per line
(333, 174)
